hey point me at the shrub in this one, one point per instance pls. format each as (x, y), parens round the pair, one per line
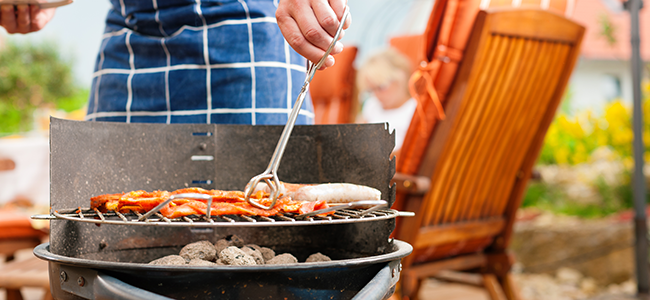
(571, 140)
(32, 76)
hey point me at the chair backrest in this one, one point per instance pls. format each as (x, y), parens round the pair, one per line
(333, 90)
(510, 83)
(412, 45)
(439, 53)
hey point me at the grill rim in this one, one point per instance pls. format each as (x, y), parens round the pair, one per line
(403, 249)
(346, 218)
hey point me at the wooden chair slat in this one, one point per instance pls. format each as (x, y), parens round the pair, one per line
(441, 190)
(488, 132)
(445, 234)
(542, 103)
(482, 82)
(497, 181)
(480, 196)
(476, 112)
(556, 27)
(504, 140)
(503, 240)
(479, 108)
(528, 124)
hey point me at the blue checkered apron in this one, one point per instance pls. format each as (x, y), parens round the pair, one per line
(196, 61)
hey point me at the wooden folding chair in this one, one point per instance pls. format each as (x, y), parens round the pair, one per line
(480, 157)
(333, 90)
(17, 233)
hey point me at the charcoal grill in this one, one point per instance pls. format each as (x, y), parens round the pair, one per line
(104, 256)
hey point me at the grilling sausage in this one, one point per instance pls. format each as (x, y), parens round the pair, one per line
(328, 192)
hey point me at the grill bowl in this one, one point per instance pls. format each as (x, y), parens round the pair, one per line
(337, 279)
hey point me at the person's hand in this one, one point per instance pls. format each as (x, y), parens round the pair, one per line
(309, 26)
(24, 18)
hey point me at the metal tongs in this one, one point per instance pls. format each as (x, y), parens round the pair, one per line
(270, 176)
(42, 4)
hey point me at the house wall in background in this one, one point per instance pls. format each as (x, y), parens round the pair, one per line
(596, 82)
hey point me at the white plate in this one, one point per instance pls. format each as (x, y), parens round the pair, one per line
(41, 3)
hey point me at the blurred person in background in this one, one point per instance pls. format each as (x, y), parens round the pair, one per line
(183, 61)
(385, 75)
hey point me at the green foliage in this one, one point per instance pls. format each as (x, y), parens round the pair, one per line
(78, 99)
(551, 198)
(32, 76)
(607, 30)
(540, 194)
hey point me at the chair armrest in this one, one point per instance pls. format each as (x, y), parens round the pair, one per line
(411, 184)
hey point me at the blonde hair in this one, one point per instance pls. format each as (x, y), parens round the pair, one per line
(382, 68)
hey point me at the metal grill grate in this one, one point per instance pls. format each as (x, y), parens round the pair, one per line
(116, 218)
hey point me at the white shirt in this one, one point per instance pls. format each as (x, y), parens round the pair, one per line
(398, 118)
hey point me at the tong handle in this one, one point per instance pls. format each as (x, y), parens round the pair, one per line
(270, 175)
(274, 164)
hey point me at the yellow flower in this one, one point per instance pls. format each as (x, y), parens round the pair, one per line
(580, 155)
(562, 156)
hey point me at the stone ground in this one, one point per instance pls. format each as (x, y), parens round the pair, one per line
(599, 249)
(531, 286)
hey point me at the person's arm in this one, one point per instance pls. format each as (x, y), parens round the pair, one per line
(310, 25)
(24, 18)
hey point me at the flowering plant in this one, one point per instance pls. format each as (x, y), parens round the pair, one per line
(570, 140)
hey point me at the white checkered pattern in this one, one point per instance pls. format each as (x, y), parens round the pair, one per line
(196, 61)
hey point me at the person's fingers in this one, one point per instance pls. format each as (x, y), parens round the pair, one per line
(40, 17)
(23, 18)
(329, 62)
(338, 6)
(338, 48)
(8, 18)
(34, 14)
(298, 42)
(348, 21)
(326, 17)
(310, 28)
